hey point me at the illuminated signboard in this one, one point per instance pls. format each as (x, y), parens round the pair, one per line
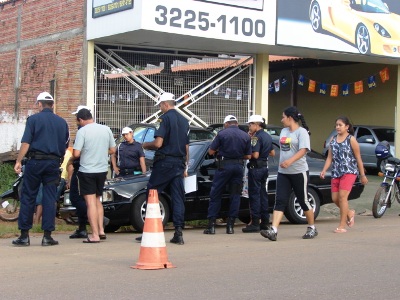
(366, 27)
(106, 7)
(251, 4)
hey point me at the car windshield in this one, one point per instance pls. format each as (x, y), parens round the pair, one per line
(371, 6)
(195, 152)
(385, 134)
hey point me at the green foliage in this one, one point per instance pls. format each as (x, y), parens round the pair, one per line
(7, 176)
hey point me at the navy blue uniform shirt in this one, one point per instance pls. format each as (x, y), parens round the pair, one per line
(231, 143)
(47, 133)
(174, 129)
(261, 142)
(129, 154)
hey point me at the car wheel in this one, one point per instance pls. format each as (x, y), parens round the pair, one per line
(381, 163)
(245, 219)
(315, 17)
(363, 40)
(138, 211)
(111, 228)
(295, 214)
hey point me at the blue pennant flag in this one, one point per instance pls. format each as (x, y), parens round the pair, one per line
(322, 88)
(283, 81)
(371, 82)
(300, 81)
(271, 88)
(345, 89)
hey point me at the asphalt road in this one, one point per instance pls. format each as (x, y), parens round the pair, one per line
(360, 264)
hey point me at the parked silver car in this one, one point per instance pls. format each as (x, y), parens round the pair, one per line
(368, 137)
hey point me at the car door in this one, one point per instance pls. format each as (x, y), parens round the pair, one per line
(367, 142)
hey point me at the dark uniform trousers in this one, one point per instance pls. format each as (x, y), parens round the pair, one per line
(169, 171)
(232, 173)
(46, 171)
(77, 200)
(258, 196)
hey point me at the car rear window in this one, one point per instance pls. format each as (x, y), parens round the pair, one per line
(385, 134)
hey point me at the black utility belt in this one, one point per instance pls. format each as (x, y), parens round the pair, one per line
(158, 157)
(42, 156)
(129, 171)
(256, 164)
(223, 162)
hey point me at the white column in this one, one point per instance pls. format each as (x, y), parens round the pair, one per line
(261, 86)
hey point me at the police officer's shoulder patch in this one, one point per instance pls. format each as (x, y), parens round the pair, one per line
(254, 140)
(157, 124)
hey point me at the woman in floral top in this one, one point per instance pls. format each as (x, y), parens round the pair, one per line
(344, 155)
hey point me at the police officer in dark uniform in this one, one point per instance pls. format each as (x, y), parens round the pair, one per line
(232, 146)
(170, 160)
(44, 142)
(261, 143)
(77, 200)
(129, 156)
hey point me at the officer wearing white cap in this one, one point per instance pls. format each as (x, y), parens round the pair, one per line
(261, 146)
(172, 154)
(231, 146)
(129, 156)
(44, 142)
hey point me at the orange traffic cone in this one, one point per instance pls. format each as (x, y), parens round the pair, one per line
(153, 252)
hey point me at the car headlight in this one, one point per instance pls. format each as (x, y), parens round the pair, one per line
(67, 201)
(389, 167)
(382, 31)
(107, 196)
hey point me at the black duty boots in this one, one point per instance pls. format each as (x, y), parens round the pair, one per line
(211, 227)
(229, 225)
(23, 239)
(178, 237)
(254, 226)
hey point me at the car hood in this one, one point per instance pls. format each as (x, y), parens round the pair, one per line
(125, 186)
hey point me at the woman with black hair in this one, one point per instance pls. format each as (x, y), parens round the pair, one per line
(293, 172)
(344, 155)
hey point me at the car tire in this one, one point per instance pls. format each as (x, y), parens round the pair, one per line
(295, 214)
(315, 17)
(138, 211)
(111, 228)
(363, 39)
(245, 219)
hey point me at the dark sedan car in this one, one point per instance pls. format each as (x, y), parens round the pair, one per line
(143, 132)
(124, 198)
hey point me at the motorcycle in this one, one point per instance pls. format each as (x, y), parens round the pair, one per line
(389, 189)
(10, 201)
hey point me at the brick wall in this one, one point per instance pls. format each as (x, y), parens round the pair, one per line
(49, 43)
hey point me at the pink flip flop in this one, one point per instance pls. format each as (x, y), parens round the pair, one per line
(340, 230)
(350, 222)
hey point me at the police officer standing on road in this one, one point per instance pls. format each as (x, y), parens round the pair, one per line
(44, 142)
(170, 160)
(261, 144)
(129, 157)
(232, 146)
(77, 200)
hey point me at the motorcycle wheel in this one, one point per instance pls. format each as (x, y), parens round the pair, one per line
(9, 209)
(379, 205)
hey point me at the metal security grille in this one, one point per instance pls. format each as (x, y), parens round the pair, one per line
(207, 87)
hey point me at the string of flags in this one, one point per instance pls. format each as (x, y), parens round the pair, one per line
(332, 90)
